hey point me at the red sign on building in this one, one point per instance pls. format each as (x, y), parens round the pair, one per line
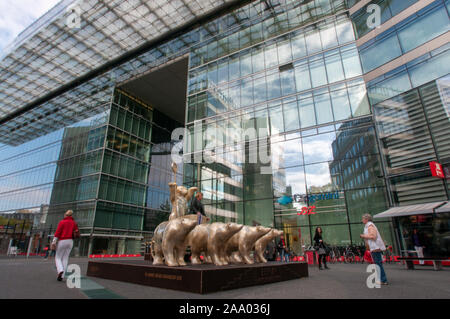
(436, 170)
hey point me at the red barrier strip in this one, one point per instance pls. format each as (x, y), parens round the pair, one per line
(114, 256)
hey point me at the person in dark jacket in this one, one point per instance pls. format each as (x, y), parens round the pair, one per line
(320, 248)
(197, 207)
(283, 250)
(418, 242)
(270, 252)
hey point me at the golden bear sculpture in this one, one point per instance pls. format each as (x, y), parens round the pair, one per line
(220, 243)
(168, 241)
(240, 245)
(210, 240)
(261, 244)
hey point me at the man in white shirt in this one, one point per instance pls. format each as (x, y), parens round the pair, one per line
(376, 245)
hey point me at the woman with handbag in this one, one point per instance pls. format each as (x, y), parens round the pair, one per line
(320, 248)
(66, 231)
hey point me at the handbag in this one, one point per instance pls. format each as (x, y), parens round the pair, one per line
(368, 257)
(75, 234)
(322, 251)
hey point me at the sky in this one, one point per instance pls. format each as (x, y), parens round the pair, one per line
(17, 15)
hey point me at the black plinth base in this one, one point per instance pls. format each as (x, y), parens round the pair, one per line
(197, 278)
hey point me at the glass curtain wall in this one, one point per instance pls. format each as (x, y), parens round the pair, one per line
(423, 26)
(284, 100)
(413, 129)
(122, 191)
(158, 196)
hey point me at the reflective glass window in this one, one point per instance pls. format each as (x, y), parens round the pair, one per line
(302, 77)
(298, 46)
(307, 112)
(247, 89)
(287, 82)
(222, 71)
(334, 67)
(381, 52)
(350, 60)
(290, 181)
(318, 148)
(276, 120)
(318, 72)
(212, 74)
(284, 51)
(341, 105)
(321, 178)
(432, 69)
(345, 32)
(358, 100)
(313, 41)
(258, 59)
(291, 118)
(233, 68)
(246, 63)
(260, 89)
(424, 28)
(271, 55)
(323, 108)
(273, 85)
(287, 153)
(328, 36)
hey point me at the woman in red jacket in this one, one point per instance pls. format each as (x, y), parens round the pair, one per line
(66, 231)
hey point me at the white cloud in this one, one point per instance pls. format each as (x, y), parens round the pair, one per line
(17, 15)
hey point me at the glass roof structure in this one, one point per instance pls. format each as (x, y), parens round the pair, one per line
(51, 53)
(55, 74)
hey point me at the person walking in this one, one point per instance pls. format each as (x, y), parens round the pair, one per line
(66, 231)
(320, 248)
(47, 251)
(418, 244)
(282, 250)
(197, 207)
(376, 245)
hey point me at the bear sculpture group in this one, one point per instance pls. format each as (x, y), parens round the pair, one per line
(218, 243)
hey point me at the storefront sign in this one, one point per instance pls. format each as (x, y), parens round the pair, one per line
(310, 210)
(312, 198)
(436, 170)
(306, 199)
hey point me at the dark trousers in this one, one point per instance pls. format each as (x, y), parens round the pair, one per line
(322, 258)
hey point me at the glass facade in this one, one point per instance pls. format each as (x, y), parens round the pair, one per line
(294, 119)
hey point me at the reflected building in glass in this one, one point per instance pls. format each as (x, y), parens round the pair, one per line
(294, 115)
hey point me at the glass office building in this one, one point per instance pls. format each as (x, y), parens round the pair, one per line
(295, 115)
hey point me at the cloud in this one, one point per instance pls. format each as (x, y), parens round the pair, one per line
(16, 16)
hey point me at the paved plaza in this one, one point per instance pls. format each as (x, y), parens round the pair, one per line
(36, 278)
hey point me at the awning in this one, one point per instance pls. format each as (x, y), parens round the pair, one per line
(419, 209)
(444, 209)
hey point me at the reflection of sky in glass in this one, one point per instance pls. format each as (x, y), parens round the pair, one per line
(36, 162)
(317, 175)
(318, 148)
(289, 153)
(295, 178)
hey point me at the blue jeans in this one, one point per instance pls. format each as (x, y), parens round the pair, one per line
(378, 260)
(284, 256)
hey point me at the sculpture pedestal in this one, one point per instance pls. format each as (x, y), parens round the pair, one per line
(200, 279)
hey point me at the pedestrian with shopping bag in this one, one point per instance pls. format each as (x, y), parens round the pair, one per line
(321, 249)
(376, 246)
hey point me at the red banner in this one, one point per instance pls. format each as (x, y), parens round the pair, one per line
(436, 170)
